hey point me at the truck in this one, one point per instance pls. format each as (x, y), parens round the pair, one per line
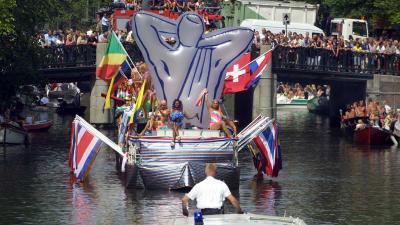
(300, 13)
(349, 28)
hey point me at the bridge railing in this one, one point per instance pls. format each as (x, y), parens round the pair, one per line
(68, 56)
(78, 55)
(320, 60)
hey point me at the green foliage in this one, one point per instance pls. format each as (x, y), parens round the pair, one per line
(378, 13)
(6, 17)
(20, 21)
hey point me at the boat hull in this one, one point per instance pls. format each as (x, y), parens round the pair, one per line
(42, 126)
(159, 166)
(10, 134)
(372, 136)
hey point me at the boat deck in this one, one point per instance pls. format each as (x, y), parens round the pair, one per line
(239, 219)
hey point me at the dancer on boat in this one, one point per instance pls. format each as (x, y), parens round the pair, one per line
(177, 115)
(218, 121)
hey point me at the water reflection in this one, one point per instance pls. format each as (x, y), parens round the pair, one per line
(266, 195)
(326, 179)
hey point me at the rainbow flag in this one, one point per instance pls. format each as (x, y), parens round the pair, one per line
(114, 56)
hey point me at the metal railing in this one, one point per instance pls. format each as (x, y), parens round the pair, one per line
(305, 59)
(325, 60)
(68, 56)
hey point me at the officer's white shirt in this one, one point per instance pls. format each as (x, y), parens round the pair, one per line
(210, 193)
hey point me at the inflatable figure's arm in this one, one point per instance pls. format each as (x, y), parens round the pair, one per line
(226, 38)
(149, 30)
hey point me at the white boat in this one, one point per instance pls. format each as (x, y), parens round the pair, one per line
(239, 219)
(12, 133)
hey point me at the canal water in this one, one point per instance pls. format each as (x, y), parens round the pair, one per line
(325, 180)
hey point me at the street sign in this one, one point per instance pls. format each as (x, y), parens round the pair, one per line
(286, 21)
(286, 18)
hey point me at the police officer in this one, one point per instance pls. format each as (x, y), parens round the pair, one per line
(210, 194)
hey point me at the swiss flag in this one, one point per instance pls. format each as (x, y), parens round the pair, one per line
(238, 75)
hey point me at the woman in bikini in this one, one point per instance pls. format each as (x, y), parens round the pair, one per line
(217, 119)
(176, 117)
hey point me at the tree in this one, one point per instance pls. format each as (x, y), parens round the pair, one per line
(375, 12)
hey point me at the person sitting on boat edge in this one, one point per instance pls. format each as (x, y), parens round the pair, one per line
(217, 120)
(176, 116)
(210, 194)
(164, 114)
(152, 124)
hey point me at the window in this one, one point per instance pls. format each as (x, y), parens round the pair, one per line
(336, 28)
(360, 28)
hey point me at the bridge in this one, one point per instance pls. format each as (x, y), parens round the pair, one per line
(77, 62)
(347, 72)
(72, 63)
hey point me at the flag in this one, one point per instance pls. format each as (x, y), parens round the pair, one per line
(114, 56)
(83, 151)
(200, 98)
(257, 67)
(238, 75)
(139, 101)
(85, 144)
(268, 158)
(115, 81)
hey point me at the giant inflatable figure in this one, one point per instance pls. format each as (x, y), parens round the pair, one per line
(194, 62)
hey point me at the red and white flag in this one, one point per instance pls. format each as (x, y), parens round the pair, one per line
(238, 75)
(85, 144)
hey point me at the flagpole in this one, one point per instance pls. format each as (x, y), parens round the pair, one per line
(101, 136)
(130, 59)
(256, 58)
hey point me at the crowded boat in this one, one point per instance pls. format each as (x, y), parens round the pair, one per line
(374, 115)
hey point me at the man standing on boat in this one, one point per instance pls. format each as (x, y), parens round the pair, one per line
(210, 194)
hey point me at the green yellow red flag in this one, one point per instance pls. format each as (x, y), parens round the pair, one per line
(114, 56)
(139, 101)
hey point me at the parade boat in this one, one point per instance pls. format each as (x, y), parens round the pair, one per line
(12, 133)
(372, 136)
(153, 164)
(42, 125)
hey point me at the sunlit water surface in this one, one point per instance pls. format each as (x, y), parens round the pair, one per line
(326, 179)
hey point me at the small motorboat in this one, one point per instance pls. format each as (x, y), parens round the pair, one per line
(373, 136)
(240, 219)
(38, 125)
(319, 105)
(12, 133)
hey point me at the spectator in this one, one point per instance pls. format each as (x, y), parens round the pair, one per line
(103, 38)
(105, 23)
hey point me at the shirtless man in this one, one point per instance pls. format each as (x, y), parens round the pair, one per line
(164, 114)
(361, 109)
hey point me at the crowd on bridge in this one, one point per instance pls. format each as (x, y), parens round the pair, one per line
(211, 6)
(380, 55)
(373, 113)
